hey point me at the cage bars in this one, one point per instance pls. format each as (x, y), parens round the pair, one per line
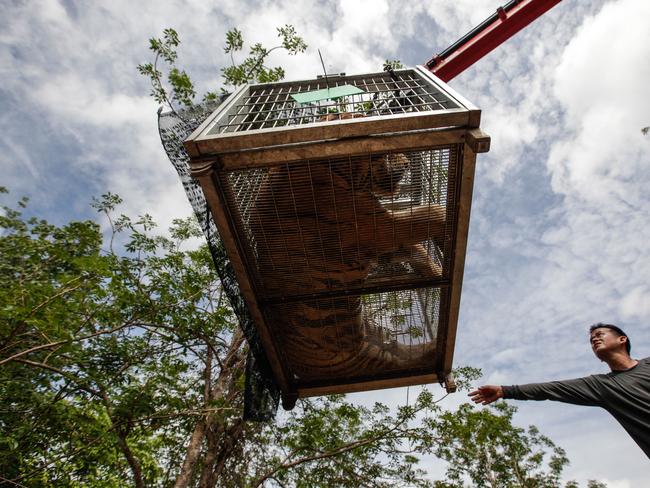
(261, 142)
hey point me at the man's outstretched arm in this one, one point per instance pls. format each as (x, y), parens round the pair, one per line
(579, 391)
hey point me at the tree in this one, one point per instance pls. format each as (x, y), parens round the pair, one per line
(126, 368)
(485, 446)
(179, 89)
(99, 348)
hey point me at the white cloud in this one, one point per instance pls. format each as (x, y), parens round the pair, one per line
(18, 155)
(460, 16)
(603, 83)
(600, 162)
(508, 356)
(635, 304)
(90, 101)
(617, 483)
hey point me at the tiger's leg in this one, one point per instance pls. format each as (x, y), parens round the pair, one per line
(336, 338)
(389, 353)
(322, 337)
(396, 230)
(423, 263)
(416, 256)
(399, 235)
(344, 343)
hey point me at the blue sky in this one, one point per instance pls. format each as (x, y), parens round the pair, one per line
(559, 230)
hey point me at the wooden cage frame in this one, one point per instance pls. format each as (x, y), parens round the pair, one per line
(214, 155)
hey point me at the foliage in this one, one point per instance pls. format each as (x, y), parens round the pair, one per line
(252, 69)
(392, 65)
(99, 349)
(182, 88)
(484, 446)
(123, 369)
(331, 442)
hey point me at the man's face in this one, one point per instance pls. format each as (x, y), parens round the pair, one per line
(604, 341)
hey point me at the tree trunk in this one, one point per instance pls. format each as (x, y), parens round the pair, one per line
(222, 386)
(122, 434)
(131, 459)
(207, 477)
(192, 455)
(232, 437)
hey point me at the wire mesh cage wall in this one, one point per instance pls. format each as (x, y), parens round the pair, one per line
(344, 205)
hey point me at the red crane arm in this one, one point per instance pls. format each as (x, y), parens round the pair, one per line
(496, 29)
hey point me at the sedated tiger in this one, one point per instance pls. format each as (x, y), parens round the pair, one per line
(319, 226)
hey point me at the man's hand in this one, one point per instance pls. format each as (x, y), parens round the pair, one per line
(486, 394)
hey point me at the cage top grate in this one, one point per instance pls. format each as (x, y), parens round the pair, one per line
(269, 106)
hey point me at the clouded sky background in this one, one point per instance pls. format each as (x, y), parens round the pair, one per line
(560, 224)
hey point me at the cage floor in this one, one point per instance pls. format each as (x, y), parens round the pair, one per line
(348, 338)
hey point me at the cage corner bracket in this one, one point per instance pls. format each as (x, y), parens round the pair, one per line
(449, 383)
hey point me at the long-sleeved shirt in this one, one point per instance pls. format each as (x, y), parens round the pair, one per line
(624, 394)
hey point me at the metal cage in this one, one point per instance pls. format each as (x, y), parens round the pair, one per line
(343, 204)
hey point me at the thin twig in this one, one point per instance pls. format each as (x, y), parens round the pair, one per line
(12, 482)
(57, 295)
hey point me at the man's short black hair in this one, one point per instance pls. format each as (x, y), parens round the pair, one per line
(616, 329)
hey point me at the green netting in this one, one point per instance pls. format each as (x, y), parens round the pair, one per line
(261, 396)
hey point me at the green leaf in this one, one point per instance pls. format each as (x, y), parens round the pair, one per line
(234, 41)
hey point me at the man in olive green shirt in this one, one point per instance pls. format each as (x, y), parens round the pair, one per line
(624, 392)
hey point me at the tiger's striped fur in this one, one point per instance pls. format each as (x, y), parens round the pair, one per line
(319, 226)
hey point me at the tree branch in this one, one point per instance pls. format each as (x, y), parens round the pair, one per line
(133, 462)
(260, 61)
(67, 341)
(68, 376)
(5, 480)
(335, 452)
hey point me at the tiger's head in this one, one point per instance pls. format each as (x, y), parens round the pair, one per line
(386, 172)
(381, 172)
